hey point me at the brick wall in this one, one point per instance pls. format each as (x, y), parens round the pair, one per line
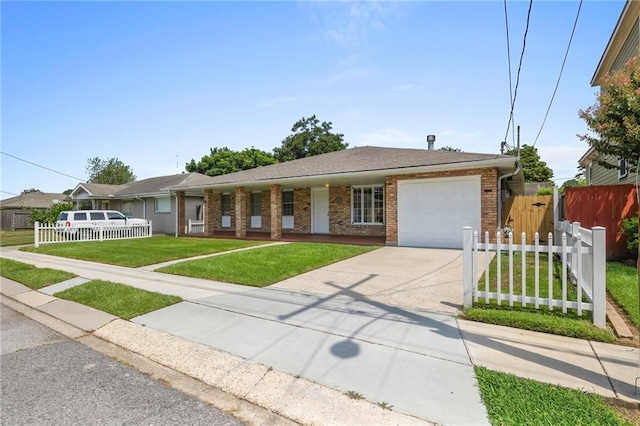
(182, 213)
(275, 194)
(340, 215)
(488, 198)
(209, 211)
(301, 212)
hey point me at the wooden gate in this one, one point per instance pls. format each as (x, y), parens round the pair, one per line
(12, 220)
(529, 214)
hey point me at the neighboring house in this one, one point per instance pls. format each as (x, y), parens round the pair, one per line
(15, 210)
(147, 198)
(409, 197)
(622, 46)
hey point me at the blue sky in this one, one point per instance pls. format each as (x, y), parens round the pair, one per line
(156, 84)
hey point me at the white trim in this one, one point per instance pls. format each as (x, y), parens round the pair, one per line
(623, 172)
(373, 205)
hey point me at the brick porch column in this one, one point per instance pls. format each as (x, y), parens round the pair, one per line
(276, 212)
(241, 212)
(208, 211)
(182, 209)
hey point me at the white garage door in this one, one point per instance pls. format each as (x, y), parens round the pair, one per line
(432, 212)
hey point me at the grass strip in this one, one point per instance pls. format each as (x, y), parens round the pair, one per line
(266, 265)
(15, 238)
(554, 322)
(514, 401)
(30, 275)
(118, 299)
(622, 284)
(138, 252)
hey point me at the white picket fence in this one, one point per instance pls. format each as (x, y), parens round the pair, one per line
(582, 258)
(195, 226)
(49, 233)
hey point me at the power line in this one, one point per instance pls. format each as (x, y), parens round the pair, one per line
(42, 167)
(7, 192)
(515, 91)
(575, 23)
(506, 24)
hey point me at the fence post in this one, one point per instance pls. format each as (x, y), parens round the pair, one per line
(36, 234)
(467, 266)
(599, 276)
(150, 229)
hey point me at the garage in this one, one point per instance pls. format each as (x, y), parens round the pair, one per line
(432, 212)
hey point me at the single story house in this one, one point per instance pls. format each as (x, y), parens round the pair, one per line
(16, 210)
(622, 46)
(408, 197)
(147, 198)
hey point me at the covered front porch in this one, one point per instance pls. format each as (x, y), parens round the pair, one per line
(362, 240)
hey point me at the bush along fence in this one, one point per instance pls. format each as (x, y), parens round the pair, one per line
(50, 233)
(195, 226)
(580, 257)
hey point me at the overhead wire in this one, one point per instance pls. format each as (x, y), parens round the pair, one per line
(515, 90)
(506, 24)
(564, 61)
(42, 167)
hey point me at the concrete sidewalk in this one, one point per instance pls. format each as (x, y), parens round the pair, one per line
(299, 354)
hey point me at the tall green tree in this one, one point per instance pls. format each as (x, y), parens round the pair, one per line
(309, 138)
(615, 117)
(535, 170)
(110, 172)
(224, 160)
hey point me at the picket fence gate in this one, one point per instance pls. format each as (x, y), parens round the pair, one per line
(50, 233)
(581, 255)
(195, 226)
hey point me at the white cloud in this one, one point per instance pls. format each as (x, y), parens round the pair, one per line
(348, 24)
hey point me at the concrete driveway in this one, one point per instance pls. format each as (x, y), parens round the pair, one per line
(421, 278)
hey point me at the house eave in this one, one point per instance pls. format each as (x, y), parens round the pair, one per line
(373, 176)
(591, 152)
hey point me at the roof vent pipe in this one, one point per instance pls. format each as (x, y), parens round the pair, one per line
(430, 141)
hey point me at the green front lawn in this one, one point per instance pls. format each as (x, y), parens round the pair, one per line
(141, 251)
(31, 276)
(266, 265)
(514, 401)
(622, 284)
(117, 299)
(16, 238)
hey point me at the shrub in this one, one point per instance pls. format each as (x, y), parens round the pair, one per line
(50, 215)
(630, 229)
(545, 190)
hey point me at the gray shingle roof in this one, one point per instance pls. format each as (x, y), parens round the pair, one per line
(36, 200)
(152, 185)
(353, 160)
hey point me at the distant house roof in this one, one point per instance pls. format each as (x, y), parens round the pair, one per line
(366, 161)
(151, 186)
(33, 200)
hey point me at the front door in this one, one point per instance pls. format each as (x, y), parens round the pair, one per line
(320, 207)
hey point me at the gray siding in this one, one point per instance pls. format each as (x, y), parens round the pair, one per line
(603, 176)
(628, 48)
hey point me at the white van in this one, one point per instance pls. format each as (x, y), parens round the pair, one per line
(73, 222)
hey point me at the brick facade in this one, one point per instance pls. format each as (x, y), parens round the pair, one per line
(209, 211)
(182, 213)
(340, 215)
(488, 198)
(241, 212)
(275, 193)
(301, 212)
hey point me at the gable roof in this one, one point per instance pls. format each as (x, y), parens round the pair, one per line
(366, 161)
(150, 186)
(35, 200)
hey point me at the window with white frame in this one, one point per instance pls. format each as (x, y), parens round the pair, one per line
(163, 205)
(622, 168)
(367, 205)
(287, 203)
(127, 208)
(256, 204)
(225, 204)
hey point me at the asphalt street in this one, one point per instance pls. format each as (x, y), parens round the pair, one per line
(49, 379)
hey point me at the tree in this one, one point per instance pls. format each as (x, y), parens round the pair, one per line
(535, 170)
(110, 172)
(309, 138)
(29, 191)
(450, 148)
(224, 160)
(615, 117)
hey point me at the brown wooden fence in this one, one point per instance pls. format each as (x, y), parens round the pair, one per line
(603, 205)
(529, 214)
(11, 220)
